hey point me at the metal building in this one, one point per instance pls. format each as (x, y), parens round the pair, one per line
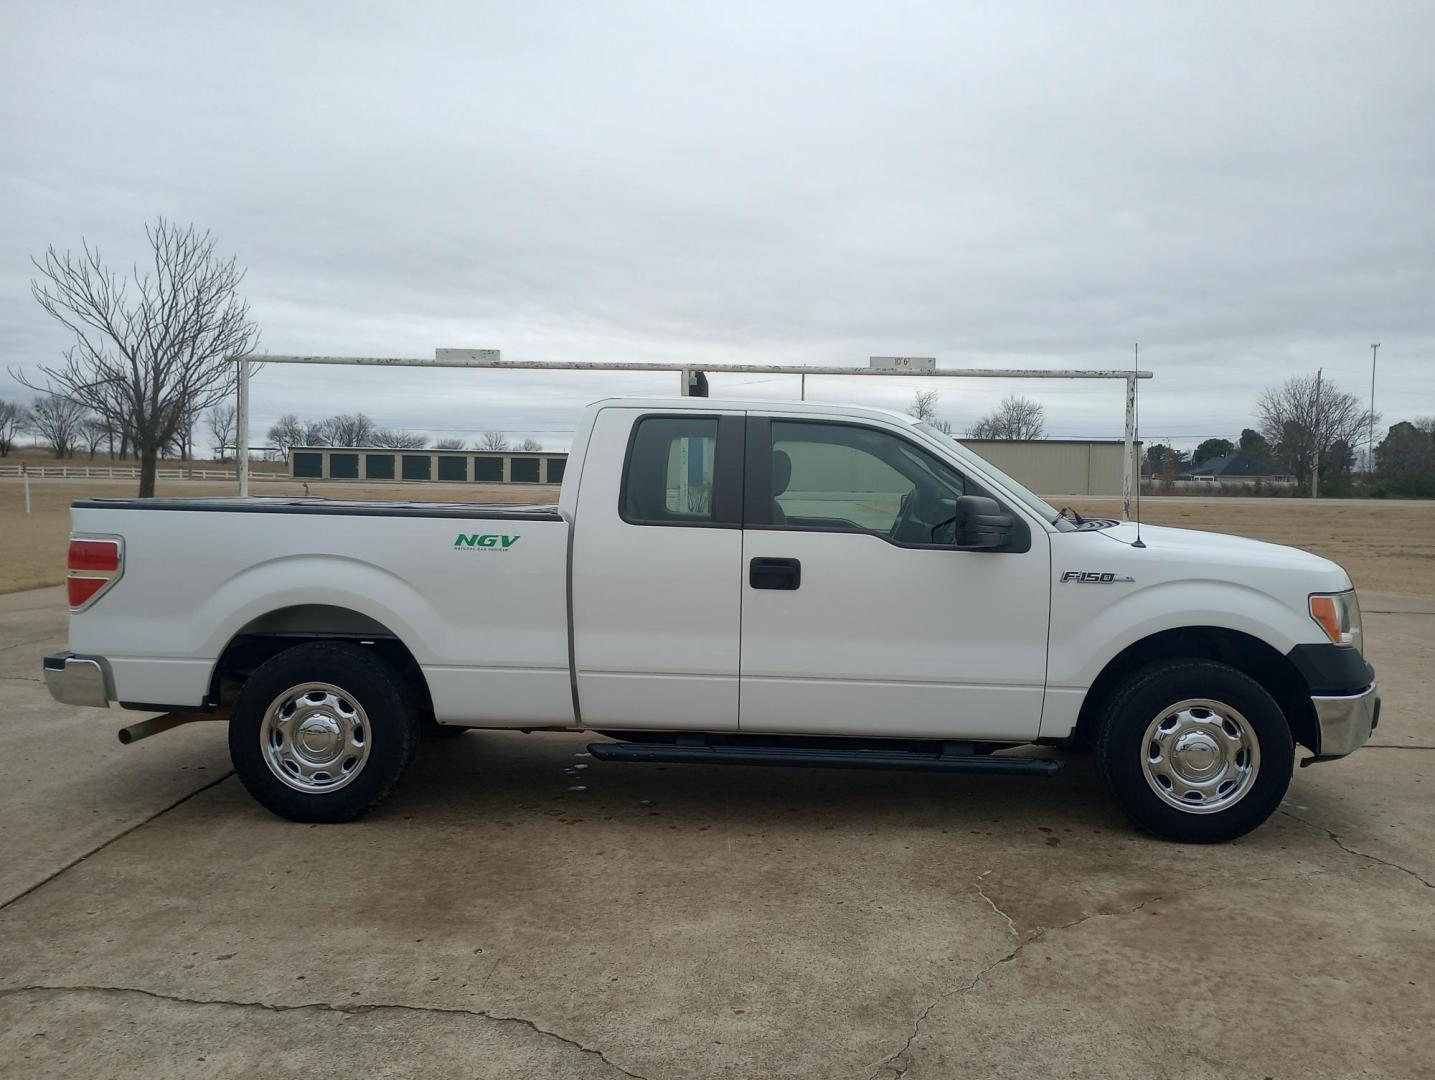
(417, 466)
(1060, 466)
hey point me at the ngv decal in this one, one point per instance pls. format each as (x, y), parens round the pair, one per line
(485, 541)
(1093, 577)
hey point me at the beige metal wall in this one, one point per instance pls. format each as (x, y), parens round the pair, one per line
(1051, 467)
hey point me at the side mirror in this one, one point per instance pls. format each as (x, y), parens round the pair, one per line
(982, 525)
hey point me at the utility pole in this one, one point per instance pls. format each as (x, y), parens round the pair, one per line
(1315, 438)
(1370, 439)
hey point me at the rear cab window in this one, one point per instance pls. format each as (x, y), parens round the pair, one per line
(669, 475)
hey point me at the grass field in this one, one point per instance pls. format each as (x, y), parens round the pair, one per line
(1387, 546)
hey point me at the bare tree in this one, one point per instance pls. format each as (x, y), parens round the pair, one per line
(924, 404)
(183, 441)
(57, 420)
(924, 408)
(1303, 419)
(287, 431)
(93, 430)
(159, 346)
(350, 429)
(531, 445)
(318, 432)
(13, 420)
(492, 440)
(393, 439)
(448, 444)
(1018, 418)
(222, 428)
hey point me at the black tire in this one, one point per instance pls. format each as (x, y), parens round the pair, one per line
(373, 699)
(1122, 749)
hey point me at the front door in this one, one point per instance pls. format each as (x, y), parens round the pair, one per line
(859, 616)
(657, 555)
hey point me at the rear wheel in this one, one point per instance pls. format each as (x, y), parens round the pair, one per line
(322, 731)
(1195, 750)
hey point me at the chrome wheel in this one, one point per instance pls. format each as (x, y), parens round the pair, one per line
(1200, 756)
(315, 737)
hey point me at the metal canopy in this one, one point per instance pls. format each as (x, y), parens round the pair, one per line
(490, 360)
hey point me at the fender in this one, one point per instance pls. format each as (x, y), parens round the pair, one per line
(1085, 640)
(331, 580)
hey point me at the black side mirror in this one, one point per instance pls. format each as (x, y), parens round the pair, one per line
(982, 525)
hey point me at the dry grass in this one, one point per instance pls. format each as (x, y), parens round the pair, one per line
(1386, 546)
(32, 547)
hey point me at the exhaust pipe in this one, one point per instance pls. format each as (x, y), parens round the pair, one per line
(155, 724)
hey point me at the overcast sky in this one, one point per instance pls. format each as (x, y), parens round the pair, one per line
(1246, 190)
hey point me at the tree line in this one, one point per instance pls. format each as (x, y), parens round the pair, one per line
(1309, 428)
(67, 429)
(1306, 426)
(1017, 417)
(359, 430)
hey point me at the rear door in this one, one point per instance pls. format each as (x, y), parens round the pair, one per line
(859, 615)
(657, 558)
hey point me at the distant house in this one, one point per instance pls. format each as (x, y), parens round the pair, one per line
(1240, 469)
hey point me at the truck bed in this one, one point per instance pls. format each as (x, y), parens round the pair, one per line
(476, 592)
(281, 504)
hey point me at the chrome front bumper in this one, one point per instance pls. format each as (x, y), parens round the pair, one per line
(1345, 722)
(77, 680)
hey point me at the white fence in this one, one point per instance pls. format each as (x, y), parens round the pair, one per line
(130, 472)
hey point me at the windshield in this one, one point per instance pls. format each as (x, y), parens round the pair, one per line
(1035, 503)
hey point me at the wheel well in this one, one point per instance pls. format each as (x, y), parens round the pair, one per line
(270, 634)
(1248, 654)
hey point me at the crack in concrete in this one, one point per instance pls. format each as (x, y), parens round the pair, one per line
(118, 836)
(1395, 746)
(1011, 926)
(890, 1062)
(27, 641)
(1338, 842)
(325, 1006)
(21, 678)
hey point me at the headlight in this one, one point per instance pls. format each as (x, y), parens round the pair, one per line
(1338, 614)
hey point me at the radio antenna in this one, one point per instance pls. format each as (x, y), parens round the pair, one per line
(1136, 409)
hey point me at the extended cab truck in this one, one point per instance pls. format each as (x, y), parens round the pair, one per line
(727, 582)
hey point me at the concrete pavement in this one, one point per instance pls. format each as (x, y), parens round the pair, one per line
(490, 920)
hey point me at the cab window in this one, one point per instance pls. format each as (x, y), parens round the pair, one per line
(845, 477)
(668, 479)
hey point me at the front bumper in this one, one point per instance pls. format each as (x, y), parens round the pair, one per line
(78, 680)
(1345, 722)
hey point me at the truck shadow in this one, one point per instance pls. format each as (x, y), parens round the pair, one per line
(488, 773)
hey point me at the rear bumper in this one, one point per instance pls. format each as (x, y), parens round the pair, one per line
(78, 680)
(1345, 722)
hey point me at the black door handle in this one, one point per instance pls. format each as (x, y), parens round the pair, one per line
(774, 574)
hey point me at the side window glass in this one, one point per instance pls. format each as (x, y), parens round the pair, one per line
(670, 471)
(847, 477)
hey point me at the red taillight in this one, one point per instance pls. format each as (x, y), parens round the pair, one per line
(84, 589)
(95, 555)
(95, 563)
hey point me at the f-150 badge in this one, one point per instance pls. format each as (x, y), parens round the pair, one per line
(1094, 577)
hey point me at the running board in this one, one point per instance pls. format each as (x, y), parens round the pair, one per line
(707, 754)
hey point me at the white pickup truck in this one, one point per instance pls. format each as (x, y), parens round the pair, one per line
(726, 582)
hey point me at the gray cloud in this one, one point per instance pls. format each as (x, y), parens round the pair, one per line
(1245, 191)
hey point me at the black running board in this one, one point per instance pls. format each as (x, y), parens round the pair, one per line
(825, 758)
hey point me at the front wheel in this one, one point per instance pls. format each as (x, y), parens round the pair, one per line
(322, 731)
(1195, 750)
